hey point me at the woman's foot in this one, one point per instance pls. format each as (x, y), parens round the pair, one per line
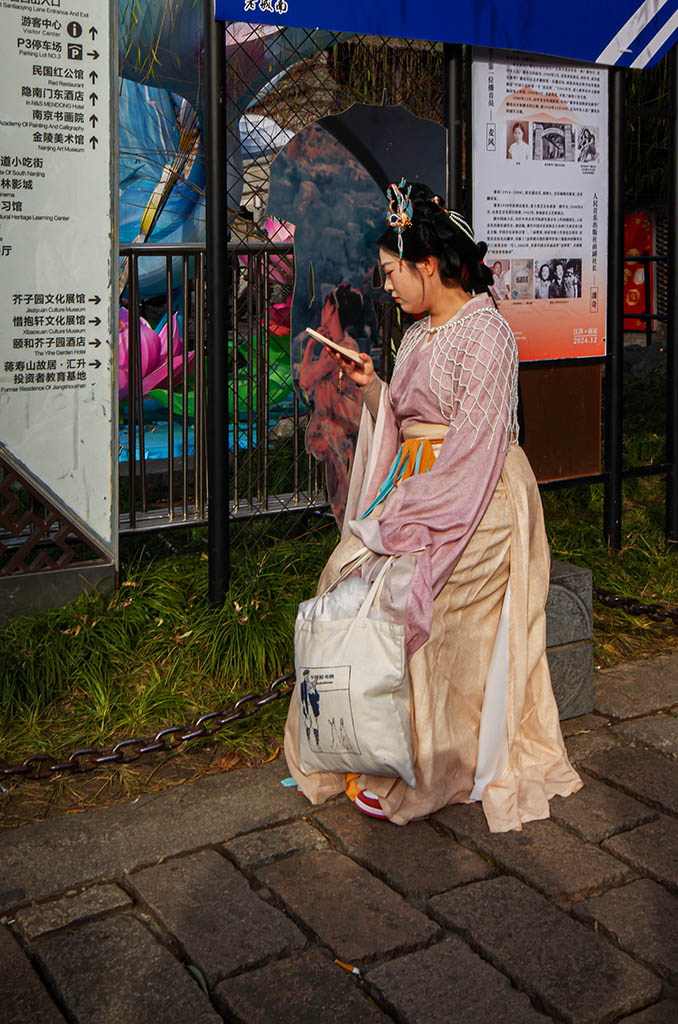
(368, 803)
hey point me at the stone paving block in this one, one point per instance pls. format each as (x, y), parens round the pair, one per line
(566, 969)
(258, 848)
(580, 748)
(659, 733)
(49, 917)
(114, 970)
(48, 857)
(449, 982)
(641, 773)
(417, 861)
(641, 917)
(354, 913)
(303, 990)
(543, 854)
(584, 724)
(638, 688)
(650, 849)
(221, 924)
(23, 997)
(597, 811)
(665, 1012)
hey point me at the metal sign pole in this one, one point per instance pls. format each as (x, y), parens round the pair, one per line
(614, 365)
(453, 116)
(672, 310)
(218, 281)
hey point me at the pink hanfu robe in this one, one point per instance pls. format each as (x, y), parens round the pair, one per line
(484, 719)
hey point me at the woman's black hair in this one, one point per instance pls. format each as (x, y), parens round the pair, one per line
(433, 233)
(349, 305)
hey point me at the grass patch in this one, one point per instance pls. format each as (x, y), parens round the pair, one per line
(645, 567)
(156, 653)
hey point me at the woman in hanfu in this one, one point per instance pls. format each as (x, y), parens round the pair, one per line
(483, 716)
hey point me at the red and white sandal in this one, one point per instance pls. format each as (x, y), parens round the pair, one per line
(368, 803)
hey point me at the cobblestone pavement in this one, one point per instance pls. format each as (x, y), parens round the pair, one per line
(233, 899)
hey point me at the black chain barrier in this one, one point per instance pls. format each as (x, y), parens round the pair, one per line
(656, 612)
(44, 766)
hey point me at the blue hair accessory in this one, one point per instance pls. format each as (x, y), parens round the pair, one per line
(399, 216)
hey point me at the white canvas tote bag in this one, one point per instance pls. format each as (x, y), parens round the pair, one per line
(353, 689)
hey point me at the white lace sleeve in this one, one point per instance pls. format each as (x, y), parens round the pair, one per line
(474, 376)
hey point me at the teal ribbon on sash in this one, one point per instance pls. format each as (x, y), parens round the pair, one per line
(398, 471)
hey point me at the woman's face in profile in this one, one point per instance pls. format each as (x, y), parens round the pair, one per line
(403, 282)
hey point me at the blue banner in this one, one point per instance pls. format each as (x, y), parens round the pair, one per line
(626, 33)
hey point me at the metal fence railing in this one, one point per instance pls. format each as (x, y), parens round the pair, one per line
(162, 434)
(162, 449)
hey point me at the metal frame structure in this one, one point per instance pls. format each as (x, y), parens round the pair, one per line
(613, 473)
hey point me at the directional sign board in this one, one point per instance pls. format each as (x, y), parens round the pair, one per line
(634, 33)
(57, 409)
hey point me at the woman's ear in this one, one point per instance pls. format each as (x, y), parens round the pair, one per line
(429, 265)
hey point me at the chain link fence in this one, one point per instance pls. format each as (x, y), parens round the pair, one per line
(163, 465)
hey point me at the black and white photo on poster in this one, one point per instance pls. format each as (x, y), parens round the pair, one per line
(558, 278)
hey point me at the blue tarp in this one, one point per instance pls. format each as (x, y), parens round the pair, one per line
(620, 32)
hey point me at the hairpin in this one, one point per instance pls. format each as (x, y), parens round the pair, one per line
(462, 224)
(455, 217)
(399, 216)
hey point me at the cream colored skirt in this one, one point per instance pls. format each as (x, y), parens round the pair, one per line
(448, 676)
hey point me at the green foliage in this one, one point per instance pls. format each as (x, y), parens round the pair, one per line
(645, 567)
(646, 136)
(155, 652)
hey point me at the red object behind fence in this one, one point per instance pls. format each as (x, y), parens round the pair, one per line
(638, 239)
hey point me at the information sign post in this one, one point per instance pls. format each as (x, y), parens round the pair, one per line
(58, 244)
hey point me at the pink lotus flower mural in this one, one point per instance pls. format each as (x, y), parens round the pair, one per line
(153, 355)
(280, 268)
(279, 317)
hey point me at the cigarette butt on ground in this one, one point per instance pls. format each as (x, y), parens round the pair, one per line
(348, 967)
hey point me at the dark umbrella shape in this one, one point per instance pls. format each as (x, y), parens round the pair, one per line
(391, 144)
(330, 181)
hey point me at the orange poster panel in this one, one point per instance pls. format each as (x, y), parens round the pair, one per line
(558, 328)
(540, 198)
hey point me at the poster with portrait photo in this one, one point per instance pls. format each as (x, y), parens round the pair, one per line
(587, 145)
(501, 273)
(546, 216)
(517, 141)
(558, 278)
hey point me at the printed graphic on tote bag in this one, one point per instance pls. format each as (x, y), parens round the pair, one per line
(325, 695)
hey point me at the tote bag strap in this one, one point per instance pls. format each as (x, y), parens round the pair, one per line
(361, 556)
(375, 589)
